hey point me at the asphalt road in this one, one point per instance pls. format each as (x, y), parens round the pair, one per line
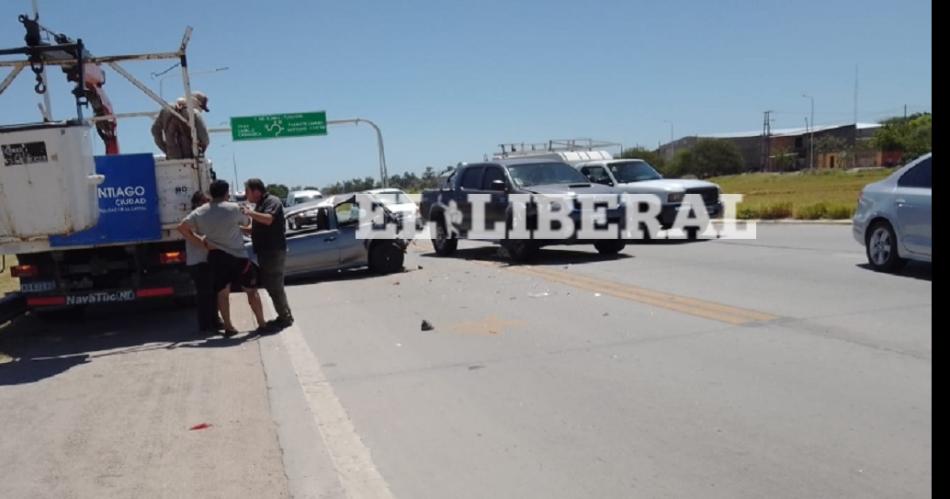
(779, 367)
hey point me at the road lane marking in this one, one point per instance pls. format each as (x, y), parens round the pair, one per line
(682, 304)
(351, 458)
(678, 303)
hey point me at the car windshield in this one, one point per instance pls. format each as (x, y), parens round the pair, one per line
(530, 174)
(396, 197)
(634, 171)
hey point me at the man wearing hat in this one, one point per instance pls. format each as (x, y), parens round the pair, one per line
(161, 124)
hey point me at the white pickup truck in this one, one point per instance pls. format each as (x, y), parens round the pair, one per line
(636, 176)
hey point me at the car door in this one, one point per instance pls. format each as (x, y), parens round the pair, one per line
(313, 244)
(351, 249)
(470, 183)
(496, 211)
(914, 211)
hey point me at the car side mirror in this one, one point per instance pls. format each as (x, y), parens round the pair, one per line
(498, 185)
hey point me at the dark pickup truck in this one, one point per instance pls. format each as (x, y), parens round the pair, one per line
(450, 211)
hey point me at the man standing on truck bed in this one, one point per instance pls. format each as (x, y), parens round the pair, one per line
(268, 235)
(173, 136)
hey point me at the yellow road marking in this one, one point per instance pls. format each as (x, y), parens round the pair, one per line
(683, 304)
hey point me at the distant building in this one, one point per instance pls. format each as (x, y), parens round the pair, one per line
(788, 149)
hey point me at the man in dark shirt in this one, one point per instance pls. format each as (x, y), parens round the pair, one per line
(268, 235)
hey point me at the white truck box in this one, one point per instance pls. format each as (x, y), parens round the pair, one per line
(47, 180)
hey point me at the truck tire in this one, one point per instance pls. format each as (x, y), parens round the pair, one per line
(444, 244)
(386, 257)
(610, 247)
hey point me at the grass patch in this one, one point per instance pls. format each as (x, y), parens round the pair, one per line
(831, 195)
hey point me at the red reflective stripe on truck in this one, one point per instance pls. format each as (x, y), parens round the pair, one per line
(153, 292)
(45, 301)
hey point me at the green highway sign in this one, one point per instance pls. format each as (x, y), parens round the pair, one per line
(276, 126)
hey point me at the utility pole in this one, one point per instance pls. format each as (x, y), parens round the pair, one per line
(811, 135)
(234, 163)
(672, 145)
(854, 146)
(767, 142)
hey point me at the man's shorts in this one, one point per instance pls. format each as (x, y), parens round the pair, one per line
(230, 271)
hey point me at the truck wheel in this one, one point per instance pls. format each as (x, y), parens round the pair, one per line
(443, 244)
(610, 247)
(521, 250)
(386, 258)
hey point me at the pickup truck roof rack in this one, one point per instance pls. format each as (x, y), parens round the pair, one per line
(514, 150)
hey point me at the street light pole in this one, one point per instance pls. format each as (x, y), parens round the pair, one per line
(672, 145)
(811, 138)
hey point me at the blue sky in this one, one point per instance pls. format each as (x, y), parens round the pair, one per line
(449, 80)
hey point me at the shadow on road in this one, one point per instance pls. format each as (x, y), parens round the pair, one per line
(545, 256)
(35, 348)
(339, 276)
(914, 270)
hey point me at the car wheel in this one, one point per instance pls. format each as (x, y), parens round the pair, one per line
(386, 258)
(443, 244)
(521, 250)
(609, 247)
(881, 248)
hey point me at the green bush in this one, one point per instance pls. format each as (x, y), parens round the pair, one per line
(773, 211)
(824, 211)
(811, 212)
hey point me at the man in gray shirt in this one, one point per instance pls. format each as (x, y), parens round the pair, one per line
(216, 226)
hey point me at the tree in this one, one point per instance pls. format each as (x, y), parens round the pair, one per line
(783, 159)
(652, 157)
(279, 190)
(912, 136)
(707, 158)
(680, 164)
(645, 154)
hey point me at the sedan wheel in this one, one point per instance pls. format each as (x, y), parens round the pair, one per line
(882, 248)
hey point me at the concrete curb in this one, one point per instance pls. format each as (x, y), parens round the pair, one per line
(792, 221)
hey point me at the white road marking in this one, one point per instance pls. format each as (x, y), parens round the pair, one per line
(353, 460)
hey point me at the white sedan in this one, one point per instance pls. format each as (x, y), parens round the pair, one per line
(399, 203)
(893, 219)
